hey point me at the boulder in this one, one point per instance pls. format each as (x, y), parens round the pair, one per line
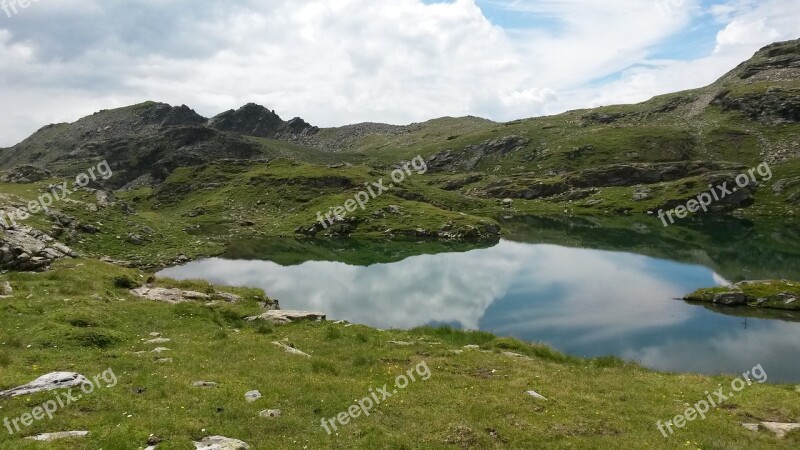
(281, 317)
(27, 249)
(25, 174)
(49, 382)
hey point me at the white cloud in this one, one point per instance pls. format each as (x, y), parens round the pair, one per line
(335, 62)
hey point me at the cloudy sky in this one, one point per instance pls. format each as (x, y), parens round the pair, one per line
(335, 62)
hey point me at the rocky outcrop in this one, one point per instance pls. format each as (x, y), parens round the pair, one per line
(172, 296)
(256, 120)
(49, 382)
(774, 106)
(25, 174)
(27, 249)
(771, 294)
(282, 317)
(468, 159)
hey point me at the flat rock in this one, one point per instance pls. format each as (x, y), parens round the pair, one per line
(472, 347)
(290, 349)
(172, 296)
(158, 341)
(780, 429)
(228, 297)
(535, 394)
(751, 426)
(205, 384)
(252, 396)
(46, 437)
(282, 317)
(400, 343)
(220, 443)
(160, 350)
(270, 413)
(49, 382)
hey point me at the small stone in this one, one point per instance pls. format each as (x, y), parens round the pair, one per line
(155, 334)
(472, 347)
(160, 350)
(252, 396)
(205, 384)
(158, 341)
(5, 288)
(400, 343)
(271, 413)
(164, 360)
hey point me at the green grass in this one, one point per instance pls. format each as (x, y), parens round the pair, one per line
(74, 318)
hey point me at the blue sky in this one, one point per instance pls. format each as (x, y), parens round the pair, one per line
(335, 62)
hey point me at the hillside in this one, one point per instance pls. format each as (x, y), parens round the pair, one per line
(188, 186)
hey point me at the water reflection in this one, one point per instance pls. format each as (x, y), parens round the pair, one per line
(585, 302)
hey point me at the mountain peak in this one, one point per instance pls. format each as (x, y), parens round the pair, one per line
(256, 120)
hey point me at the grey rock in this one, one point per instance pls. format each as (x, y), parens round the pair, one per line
(281, 317)
(290, 349)
(47, 437)
(49, 382)
(220, 443)
(730, 299)
(5, 288)
(271, 413)
(252, 396)
(205, 384)
(780, 429)
(172, 296)
(158, 341)
(751, 426)
(536, 395)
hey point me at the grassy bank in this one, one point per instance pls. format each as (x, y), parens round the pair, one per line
(75, 318)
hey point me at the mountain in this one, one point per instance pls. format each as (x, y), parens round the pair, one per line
(191, 185)
(747, 116)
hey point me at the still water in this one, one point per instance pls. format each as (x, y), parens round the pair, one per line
(582, 301)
